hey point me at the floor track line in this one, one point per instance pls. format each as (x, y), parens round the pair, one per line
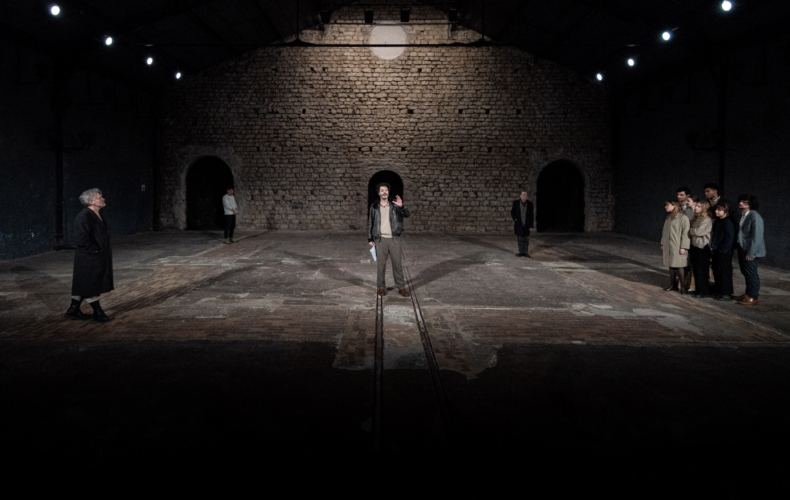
(430, 355)
(378, 372)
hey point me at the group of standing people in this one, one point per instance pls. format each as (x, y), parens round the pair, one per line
(701, 235)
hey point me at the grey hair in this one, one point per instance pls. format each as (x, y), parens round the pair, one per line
(87, 196)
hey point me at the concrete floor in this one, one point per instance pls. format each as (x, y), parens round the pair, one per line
(262, 352)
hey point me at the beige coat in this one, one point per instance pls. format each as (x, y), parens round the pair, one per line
(675, 237)
(700, 232)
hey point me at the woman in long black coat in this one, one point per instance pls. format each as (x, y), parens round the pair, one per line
(92, 258)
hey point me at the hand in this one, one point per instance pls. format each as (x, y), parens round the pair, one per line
(398, 201)
(749, 258)
(371, 243)
(682, 251)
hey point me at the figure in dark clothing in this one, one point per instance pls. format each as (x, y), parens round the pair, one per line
(523, 215)
(722, 245)
(92, 258)
(385, 226)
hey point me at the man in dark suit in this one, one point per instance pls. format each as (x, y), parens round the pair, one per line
(523, 215)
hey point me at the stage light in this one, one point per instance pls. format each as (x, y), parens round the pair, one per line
(178, 75)
(108, 41)
(666, 35)
(726, 6)
(54, 10)
(368, 17)
(404, 15)
(631, 62)
(149, 61)
(599, 76)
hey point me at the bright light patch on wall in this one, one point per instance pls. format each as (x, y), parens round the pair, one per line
(178, 75)
(388, 34)
(108, 41)
(149, 61)
(631, 62)
(726, 6)
(54, 10)
(599, 76)
(666, 35)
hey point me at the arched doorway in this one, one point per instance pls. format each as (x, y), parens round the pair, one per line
(560, 198)
(207, 182)
(390, 178)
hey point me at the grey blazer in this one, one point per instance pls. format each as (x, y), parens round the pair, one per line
(750, 237)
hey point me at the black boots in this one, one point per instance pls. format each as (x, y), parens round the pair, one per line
(98, 313)
(672, 280)
(682, 280)
(74, 311)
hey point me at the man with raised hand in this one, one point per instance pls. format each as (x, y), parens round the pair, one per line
(385, 226)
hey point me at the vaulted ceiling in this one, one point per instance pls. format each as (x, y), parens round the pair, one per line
(588, 36)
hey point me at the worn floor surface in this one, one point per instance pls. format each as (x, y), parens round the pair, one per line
(262, 352)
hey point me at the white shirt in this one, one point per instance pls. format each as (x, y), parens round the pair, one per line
(229, 204)
(743, 217)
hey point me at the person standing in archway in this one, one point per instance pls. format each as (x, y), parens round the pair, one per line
(385, 226)
(92, 258)
(231, 209)
(523, 215)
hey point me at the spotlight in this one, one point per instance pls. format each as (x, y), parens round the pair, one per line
(726, 6)
(631, 62)
(54, 10)
(149, 61)
(599, 76)
(368, 17)
(404, 15)
(178, 75)
(666, 35)
(108, 41)
(453, 16)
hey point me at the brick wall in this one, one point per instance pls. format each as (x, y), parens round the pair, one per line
(304, 128)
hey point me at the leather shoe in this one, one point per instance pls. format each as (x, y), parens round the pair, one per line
(519, 254)
(99, 314)
(748, 301)
(671, 289)
(403, 292)
(740, 297)
(74, 311)
(382, 291)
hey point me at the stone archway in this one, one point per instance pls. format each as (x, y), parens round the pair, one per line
(560, 199)
(207, 181)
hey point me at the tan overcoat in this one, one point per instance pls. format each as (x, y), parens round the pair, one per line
(675, 237)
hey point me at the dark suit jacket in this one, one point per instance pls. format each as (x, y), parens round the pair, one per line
(723, 236)
(515, 214)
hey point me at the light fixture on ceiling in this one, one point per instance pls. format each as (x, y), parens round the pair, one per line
(666, 36)
(368, 17)
(599, 76)
(149, 61)
(54, 10)
(178, 75)
(108, 41)
(631, 61)
(726, 6)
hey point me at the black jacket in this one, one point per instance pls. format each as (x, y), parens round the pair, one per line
(396, 220)
(93, 256)
(515, 214)
(722, 237)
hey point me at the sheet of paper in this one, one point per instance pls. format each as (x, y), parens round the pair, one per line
(373, 252)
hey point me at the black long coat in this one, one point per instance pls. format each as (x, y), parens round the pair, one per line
(515, 214)
(93, 256)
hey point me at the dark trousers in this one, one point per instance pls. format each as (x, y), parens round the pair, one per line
(523, 243)
(230, 225)
(699, 258)
(749, 271)
(722, 272)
